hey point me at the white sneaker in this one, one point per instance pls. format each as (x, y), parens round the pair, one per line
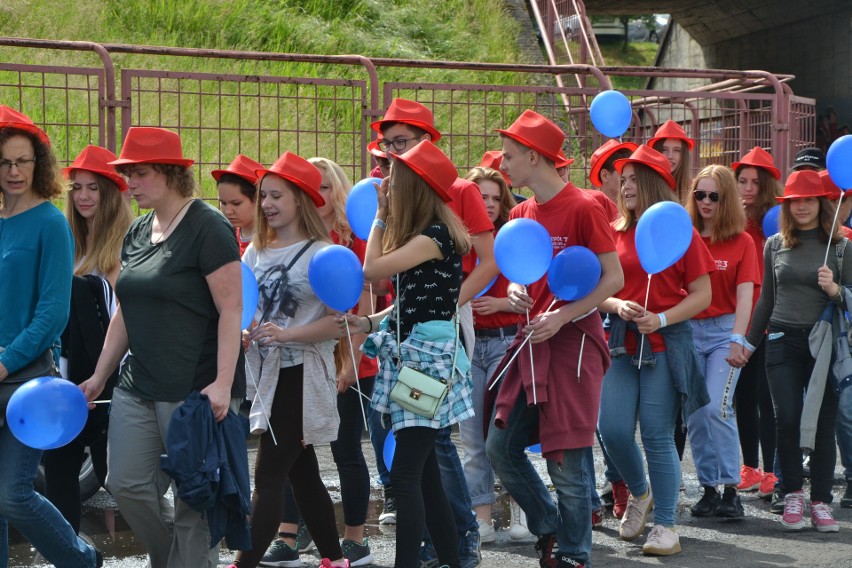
(633, 522)
(662, 541)
(518, 527)
(486, 531)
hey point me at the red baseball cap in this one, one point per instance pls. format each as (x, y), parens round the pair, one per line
(242, 166)
(602, 154)
(298, 170)
(647, 156)
(97, 160)
(802, 184)
(409, 112)
(10, 118)
(433, 166)
(537, 133)
(758, 158)
(150, 145)
(671, 129)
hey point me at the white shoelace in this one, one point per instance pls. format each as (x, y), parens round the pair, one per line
(821, 512)
(794, 504)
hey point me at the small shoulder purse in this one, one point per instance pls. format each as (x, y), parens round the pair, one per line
(414, 390)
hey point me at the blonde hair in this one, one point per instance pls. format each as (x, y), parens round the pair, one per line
(651, 188)
(770, 188)
(340, 186)
(507, 200)
(730, 217)
(681, 171)
(413, 206)
(825, 220)
(310, 222)
(112, 219)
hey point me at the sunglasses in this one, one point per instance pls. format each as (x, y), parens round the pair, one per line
(702, 195)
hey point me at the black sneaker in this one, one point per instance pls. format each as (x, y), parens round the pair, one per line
(706, 507)
(388, 516)
(846, 500)
(281, 555)
(357, 553)
(304, 541)
(546, 548)
(606, 496)
(777, 504)
(730, 506)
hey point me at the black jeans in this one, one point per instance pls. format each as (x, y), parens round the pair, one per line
(788, 368)
(420, 500)
(755, 413)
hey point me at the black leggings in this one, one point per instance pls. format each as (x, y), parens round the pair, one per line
(420, 500)
(289, 458)
(755, 414)
(349, 457)
(62, 466)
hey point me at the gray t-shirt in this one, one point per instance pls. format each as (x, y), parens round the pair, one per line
(171, 319)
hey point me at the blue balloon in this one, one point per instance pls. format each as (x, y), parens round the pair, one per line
(388, 450)
(250, 296)
(523, 250)
(611, 113)
(336, 276)
(361, 206)
(535, 448)
(47, 413)
(487, 286)
(663, 235)
(839, 162)
(770, 221)
(573, 273)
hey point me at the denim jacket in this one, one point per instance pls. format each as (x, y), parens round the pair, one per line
(680, 350)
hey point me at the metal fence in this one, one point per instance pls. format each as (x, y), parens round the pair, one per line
(326, 110)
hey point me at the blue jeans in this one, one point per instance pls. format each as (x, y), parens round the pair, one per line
(589, 464)
(844, 431)
(33, 515)
(646, 395)
(477, 469)
(571, 522)
(455, 485)
(713, 434)
(378, 433)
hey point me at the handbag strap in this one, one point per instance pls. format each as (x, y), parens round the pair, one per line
(399, 333)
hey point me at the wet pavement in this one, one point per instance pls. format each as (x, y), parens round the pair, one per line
(758, 540)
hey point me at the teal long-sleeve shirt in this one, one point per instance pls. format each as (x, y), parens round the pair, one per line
(36, 268)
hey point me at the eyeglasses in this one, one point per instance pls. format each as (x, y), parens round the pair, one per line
(702, 195)
(21, 164)
(399, 144)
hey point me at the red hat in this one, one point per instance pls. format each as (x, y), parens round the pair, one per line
(10, 118)
(298, 170)
(602, 154)
(758, 158)
(671, 129)
(562, 160)
(409, 112)
(805, 183)
(647, 156)
(373, 148)
(150, 145)
(831, 188)
(433, 166)
(241, 166)
(492, 159)
(537, 133)
(96, 159)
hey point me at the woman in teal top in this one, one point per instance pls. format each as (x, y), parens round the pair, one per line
(36, 261)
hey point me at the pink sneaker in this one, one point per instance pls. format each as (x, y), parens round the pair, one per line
(326, 563)
(793, 518)
(821, 518)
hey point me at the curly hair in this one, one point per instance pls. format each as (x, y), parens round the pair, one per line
(47, 181)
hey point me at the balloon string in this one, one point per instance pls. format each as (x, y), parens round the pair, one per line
(262, 405)
(515, 354)
(580, 358)
(833, 224)
(372, 300)
(532, 363)
(644, 312)
(355, 370)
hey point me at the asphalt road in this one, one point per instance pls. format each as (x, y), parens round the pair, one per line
(756, 541)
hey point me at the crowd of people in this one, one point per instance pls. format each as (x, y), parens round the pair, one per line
(146, 313)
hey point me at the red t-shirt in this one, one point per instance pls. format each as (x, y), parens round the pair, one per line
(847, 232)
(667, 287)
(366, 367)
(610, 208)
(736, 262)
(498, 319)
(573, 218)
(467, 203)
(243, 245)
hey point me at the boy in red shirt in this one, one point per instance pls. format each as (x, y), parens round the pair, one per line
(569, 349)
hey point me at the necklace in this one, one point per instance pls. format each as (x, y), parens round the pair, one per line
(166, 230)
